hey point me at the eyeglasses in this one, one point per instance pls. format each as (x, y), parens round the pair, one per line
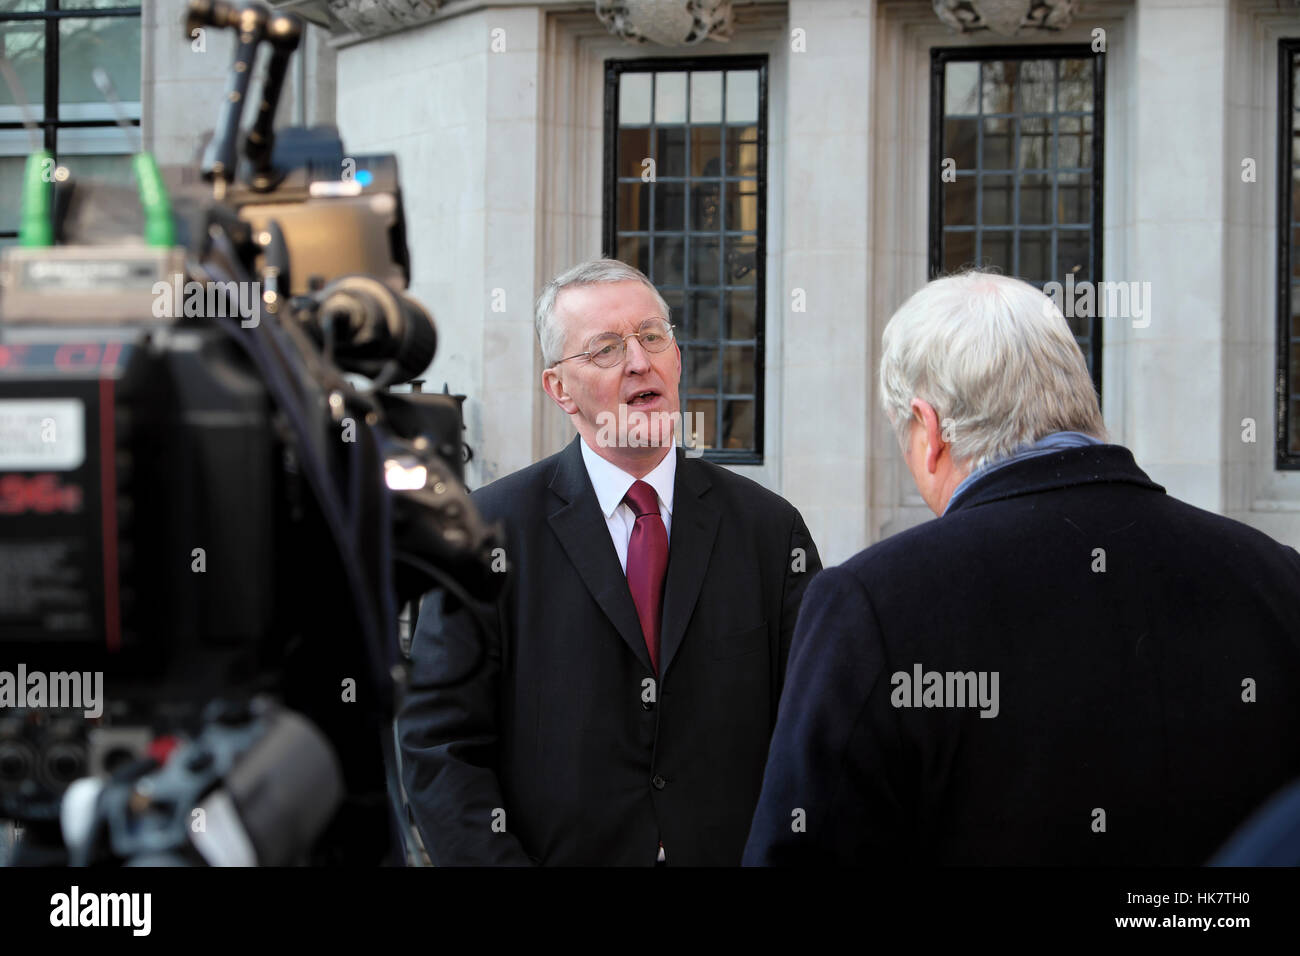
(609, 348)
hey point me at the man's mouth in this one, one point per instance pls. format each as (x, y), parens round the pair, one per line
(642, 398)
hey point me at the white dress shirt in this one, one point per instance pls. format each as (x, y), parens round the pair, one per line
(612, 483)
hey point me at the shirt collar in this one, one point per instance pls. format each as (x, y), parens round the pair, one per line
(611, 482)
(1044, 446)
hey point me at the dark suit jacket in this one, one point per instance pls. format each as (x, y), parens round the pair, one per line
(554, 736)
(1120, 691)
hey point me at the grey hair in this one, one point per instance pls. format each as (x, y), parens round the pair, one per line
(996, 360)
(550, 332)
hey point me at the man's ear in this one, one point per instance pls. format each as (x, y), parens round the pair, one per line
(934, 443)
(553, 385)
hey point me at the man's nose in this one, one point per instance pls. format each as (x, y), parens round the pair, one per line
(638, 359)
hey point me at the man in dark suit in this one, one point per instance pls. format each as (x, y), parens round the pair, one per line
(630, 675)
(1068, 666)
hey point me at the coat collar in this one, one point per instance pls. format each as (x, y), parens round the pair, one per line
(579, 524)
(1064, 469)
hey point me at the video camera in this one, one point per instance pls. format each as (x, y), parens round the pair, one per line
(210, 495)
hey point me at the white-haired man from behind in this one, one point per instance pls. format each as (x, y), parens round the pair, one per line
(1059, 668)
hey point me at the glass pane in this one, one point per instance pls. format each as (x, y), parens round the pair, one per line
(1075, 141)
(706, 207)
(26, 6)
(1035, 199)
(738, 424)
(701, 368)
(705, 412)
(703, 321)
(24, 43)
(1072, 255)
(740, 315)
(706, 97)
(100, 168)
(705, 260)
(1036, 79)
(959, 201)
(742, 261)
(1035, 255)
(961, 88)
(1081, 329)
(742, 96)
(958, 250)
(742, 151)
(109, 42)
(738, 369)
(997, 201)
(633, 207)
(670, 257)
(670, 97)
(671, 155)
(998, 82)
(634, 99)
(635, 251)
(995, 250)
(1295, 195)
(1076, 90)
(959, 140)
(670, 206)
(673, 299)
(1073, 199)
(742, 206)
(706, 151)
(633, 147)
(1035, 143)
(11, 188)
(997, 144)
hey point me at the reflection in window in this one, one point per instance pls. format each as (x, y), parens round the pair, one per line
(685, 190)
(1288, 270)
(77, 126)
(1023, 192)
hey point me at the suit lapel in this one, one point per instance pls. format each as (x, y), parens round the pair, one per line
(583, 533)
(695, 525)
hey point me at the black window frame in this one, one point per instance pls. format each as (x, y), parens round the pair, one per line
(49, 122)
(1288, 51)
(614, 70)
(940, 57)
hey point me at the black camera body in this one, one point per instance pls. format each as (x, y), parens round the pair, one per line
(204, 500)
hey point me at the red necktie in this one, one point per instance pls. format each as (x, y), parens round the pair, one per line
(647, 562)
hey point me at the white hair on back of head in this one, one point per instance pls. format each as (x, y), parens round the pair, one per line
(996, 360)
(550, 331)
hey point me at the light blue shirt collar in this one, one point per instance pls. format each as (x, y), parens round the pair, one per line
(1044, 446)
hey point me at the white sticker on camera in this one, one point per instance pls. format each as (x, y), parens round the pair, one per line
(42, 434)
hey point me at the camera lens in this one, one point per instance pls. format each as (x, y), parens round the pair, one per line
(16, 761)
(63, 763)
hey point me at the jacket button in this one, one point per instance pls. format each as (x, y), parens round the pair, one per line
(658, 782)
